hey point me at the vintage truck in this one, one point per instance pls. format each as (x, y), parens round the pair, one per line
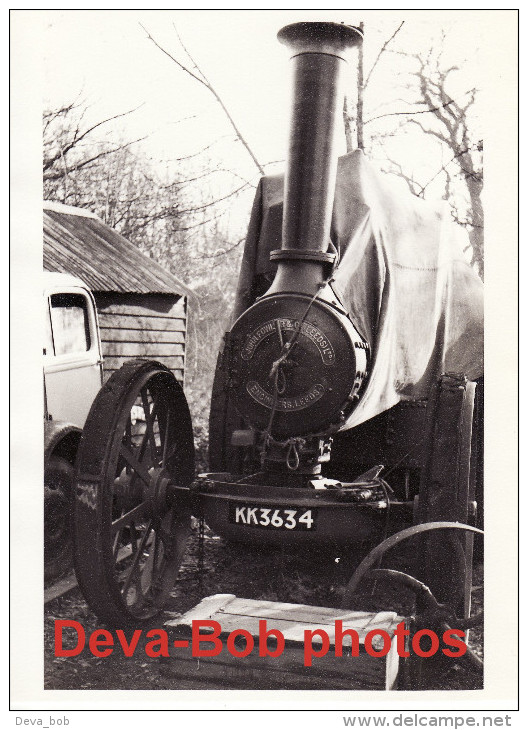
(73, 369)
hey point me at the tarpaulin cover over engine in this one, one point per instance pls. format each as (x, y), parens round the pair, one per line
(401, 275)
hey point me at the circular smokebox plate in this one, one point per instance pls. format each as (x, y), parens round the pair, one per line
(315, 380)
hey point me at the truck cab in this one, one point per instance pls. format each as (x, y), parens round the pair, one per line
(72, 349)
(72, 378)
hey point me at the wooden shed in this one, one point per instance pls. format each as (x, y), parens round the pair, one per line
(142, 308)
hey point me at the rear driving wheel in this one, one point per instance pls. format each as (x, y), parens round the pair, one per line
(130, 532)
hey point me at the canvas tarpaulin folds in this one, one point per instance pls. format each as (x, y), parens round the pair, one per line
(402, 276)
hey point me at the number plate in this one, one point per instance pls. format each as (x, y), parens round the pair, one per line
(273, 518)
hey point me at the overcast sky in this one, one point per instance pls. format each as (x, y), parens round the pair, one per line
(106, 56)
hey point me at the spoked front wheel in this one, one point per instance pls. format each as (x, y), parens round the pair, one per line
(130, 531)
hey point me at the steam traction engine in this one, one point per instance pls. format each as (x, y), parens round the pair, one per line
(349, 350)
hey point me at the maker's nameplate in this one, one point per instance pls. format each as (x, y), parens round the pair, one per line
(296, 403)
(288, 325)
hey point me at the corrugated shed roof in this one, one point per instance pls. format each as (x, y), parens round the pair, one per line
(77, 242)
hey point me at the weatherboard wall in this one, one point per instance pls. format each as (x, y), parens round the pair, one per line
(150, 326)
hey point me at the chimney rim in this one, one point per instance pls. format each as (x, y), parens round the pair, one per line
(320, 37)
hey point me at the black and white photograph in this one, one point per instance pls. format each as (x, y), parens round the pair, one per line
(272, 464)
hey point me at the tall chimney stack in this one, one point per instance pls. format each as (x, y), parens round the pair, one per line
(319, 52)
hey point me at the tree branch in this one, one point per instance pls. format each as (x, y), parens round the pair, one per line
(172, 58)
(199, 152)
(222, 252)
(440, 136)
(215, 171)
(79, 137)
(408, 114)
(411, 184)
(214, 202)
(383, 49)
(83, 163)
(442, 169)
(204, 81)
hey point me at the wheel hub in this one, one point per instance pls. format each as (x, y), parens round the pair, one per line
(129, 487)
(156, 491)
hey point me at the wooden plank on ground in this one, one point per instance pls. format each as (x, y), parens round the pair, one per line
(59, 588)
(267, 673)
(288, 670)
(69, 582)
(290, 618)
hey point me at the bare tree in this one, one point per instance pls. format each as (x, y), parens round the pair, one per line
(124, 187)
(68, 143)
(433, 110)
(448, 121)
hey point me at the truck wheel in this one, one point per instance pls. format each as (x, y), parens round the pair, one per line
(130, 532)
(58, 547)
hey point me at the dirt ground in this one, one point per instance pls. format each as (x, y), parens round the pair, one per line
(306, 577)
